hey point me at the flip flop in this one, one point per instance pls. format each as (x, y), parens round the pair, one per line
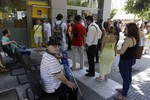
(119, 90)
(3, 69)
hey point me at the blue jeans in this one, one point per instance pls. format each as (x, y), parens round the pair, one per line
(24, 52)
(125, 68)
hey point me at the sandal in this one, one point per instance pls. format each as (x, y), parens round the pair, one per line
(99, 79)
(2, 66)
(119, 97)
(119, 90)
(3, 69)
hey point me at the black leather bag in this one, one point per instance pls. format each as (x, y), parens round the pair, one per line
(75, 34)
(138, 52)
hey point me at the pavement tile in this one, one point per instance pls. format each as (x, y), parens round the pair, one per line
(139, 90)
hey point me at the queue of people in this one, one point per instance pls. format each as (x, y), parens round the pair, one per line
(80, 34)
(108, 34)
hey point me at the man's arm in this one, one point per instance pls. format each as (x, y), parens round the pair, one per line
(65, 28)
(6, 43)
(63, 79)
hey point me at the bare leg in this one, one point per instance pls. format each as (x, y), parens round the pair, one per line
(40, 46)
(37, 46)
(1, 65)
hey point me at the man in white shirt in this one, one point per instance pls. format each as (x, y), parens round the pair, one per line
(47, 30)
(93, 35)
(52, 78)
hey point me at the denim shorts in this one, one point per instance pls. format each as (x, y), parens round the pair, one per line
(38, 39)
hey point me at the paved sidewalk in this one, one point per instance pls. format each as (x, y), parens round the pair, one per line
(139, 90)
(140, 86)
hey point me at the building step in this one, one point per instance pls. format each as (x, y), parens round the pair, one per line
(105, 89)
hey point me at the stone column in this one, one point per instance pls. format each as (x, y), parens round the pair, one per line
(100, 6)
(106, 9)
(58, 6)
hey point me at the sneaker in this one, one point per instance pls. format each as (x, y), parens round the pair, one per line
(72, 68)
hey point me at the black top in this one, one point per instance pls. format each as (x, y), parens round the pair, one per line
(129, 53)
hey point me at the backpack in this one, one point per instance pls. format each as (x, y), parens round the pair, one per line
(58, 30)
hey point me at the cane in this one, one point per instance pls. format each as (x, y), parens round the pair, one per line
(77, 85)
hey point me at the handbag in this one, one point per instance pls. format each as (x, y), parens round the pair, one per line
(148, 37)
(75, 35)
(138, 52)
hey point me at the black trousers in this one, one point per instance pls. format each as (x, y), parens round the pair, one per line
(64, 90)
(69, 41)
(90, 55)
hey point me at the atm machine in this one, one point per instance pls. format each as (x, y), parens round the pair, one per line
(37, 10)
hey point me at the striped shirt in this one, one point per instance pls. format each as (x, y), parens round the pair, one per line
(49, 67)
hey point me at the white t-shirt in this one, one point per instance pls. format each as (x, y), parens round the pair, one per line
(49, 67)
(47, 28)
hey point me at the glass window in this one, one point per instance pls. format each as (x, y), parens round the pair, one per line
(71, 12)
(13, 13)
(83, 3)
(38, 0)
(93, 12)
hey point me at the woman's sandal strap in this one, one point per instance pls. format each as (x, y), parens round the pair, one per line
(3, 69)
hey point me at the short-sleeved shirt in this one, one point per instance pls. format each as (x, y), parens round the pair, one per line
(94, 33)
(13, 46)
(49, 67)
(47, 28)
(79, 41)
(37, 30)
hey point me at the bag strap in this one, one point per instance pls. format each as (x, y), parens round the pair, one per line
(95, 34)
(75, 30)
(60, 23)
(37, 28)
(134, 42)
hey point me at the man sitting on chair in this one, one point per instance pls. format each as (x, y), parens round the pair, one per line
(13, 44)
(52, 77)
